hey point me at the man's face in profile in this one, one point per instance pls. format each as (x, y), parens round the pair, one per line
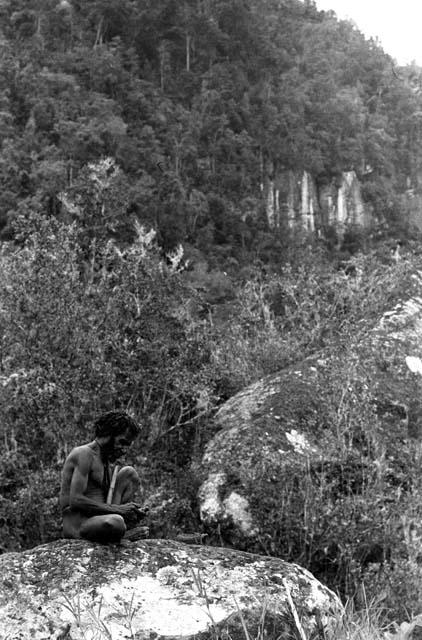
(119, 445)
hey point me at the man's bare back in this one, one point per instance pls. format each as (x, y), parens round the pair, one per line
(86, 483)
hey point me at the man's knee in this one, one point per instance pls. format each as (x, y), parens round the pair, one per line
(127, 485)
(114, 527)
(129, 474)
(111, 529)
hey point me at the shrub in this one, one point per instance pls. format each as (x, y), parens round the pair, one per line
(343, 516)
(86, 329)
(308, 306)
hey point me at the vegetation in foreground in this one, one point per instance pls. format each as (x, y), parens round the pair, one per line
(91, 326)
(369, 623)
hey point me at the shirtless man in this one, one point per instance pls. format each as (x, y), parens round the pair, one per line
(89, 511)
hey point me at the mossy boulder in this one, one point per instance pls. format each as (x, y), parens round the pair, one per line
(311, 463)
(277, 426)
(260, 431)
(155, 589)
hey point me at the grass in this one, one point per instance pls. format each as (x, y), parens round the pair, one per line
(369, 623)
(366, 624)
(90, 624)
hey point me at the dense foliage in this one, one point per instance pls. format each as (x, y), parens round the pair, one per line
(352, 515)
(199, 102)
(90, 325)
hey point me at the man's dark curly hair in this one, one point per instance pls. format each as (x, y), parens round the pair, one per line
(114, 423)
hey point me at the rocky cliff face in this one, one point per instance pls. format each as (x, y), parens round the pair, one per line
(297, 200)
(155, 589)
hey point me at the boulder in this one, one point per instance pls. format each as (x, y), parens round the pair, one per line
(291, 424)
(310, 463)
(274, 427)
(73, 589)
(261, 430)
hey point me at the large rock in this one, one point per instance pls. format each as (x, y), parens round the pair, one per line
(291, 425)
(262, 430)
(155, 589)
(297, 199)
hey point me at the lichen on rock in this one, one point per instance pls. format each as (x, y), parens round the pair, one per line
(152, 588)
(262, 431)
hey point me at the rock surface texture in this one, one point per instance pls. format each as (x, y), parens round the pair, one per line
(297, 199)
(264, 430)
(155, 589)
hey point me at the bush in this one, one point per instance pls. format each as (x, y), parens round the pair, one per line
(86, 329)
(310, 305)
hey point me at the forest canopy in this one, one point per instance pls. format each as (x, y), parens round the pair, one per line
(197, 102)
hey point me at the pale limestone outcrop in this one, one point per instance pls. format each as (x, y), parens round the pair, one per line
(350, 207)
(154, 589)
(296, 199)
(211, 505)
(232, 509)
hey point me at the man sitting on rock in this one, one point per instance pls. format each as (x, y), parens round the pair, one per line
(97, 502)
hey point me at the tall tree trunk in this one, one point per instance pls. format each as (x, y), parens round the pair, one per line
(99, 35)
(163, 52)
(39, 29)
(188, 43)
(177, 159)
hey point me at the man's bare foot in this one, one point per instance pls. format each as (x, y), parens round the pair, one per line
(137, 533)
(125, 543)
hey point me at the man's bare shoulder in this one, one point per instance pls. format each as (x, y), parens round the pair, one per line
(82, 453)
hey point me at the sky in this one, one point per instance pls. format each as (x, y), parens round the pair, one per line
(396, 24)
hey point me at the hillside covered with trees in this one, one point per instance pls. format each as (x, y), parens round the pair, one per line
(140, 270)
(199, 103)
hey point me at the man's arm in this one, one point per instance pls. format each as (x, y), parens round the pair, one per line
(78, 486)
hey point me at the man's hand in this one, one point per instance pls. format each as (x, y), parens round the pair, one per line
(129, 512)
(142, 513)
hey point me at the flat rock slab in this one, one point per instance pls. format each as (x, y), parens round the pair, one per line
(72, 589)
